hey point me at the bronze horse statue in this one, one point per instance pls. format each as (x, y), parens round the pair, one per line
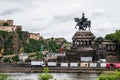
(83, 23)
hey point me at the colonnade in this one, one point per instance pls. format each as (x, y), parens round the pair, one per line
(111, 47)
(82, 42)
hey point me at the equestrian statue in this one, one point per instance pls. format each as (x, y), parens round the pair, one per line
(82, 23)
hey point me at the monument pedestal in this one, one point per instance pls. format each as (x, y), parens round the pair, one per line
(82, 47)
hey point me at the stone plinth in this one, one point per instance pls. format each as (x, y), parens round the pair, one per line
(82, 46)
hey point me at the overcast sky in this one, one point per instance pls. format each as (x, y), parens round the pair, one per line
(55, 18)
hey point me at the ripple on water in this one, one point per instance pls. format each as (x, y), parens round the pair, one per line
(57, 76)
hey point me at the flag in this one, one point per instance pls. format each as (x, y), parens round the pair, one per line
(21, 51)
(41, 48)
(61, 49)
(2, 52)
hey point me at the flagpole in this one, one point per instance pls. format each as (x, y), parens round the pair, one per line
(61, 50)
(41, 53)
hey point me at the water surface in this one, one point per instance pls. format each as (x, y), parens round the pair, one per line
(57, 76)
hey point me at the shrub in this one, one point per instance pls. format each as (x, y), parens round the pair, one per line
(16, 58)
(4, 77)
(45, 75)
(6, 59)
(110, 76)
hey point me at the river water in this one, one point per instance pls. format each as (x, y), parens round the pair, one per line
(57, 76)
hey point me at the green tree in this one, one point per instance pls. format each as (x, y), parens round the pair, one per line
(6, 42)
(39, 56)
(4, 77)
(114, 36)
(6, 59)
(110, 76)
(53, 46)
(16, 58)
(117, 36)
(33, 46)
(20, 33)
(45, 75)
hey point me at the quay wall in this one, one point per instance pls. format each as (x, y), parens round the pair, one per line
(17, 68)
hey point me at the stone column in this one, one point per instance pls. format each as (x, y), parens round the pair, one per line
(73, 42)
(86, 43)
(90, 42)
(79, 43)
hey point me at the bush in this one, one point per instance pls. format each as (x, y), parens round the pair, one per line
(16, 58)
(4, 77)
(45, 75)
(6, 59)
(110, 76)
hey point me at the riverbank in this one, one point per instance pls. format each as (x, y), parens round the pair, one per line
(56, 70)
(17, 68)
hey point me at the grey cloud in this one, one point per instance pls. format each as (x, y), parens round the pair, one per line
(41, 29)
(102, 13)
(38, 19)
(63, 18)
(68, 16)
(10, 12)
(35, 28)
(15, 0)
(98, 13)
(22, 1)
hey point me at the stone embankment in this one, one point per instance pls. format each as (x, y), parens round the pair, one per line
(24, 68)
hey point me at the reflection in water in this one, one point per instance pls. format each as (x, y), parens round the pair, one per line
(75, 76)
(57, 76)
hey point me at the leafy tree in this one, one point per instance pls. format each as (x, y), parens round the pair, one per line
(110, 76)
(45, 75)
(7, 42)
(117, 36)
(16, 58)
(32, 46)
(35, 45)
(28, 48)
(53, 46)
(110, 36)
(114, 36)
(4, 77)
(39, 56)
(6, 59)
(20, 34)
(99, 39)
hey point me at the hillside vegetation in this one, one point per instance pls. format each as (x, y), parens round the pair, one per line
(12, 42)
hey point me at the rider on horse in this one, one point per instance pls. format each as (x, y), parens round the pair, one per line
(83, 23)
